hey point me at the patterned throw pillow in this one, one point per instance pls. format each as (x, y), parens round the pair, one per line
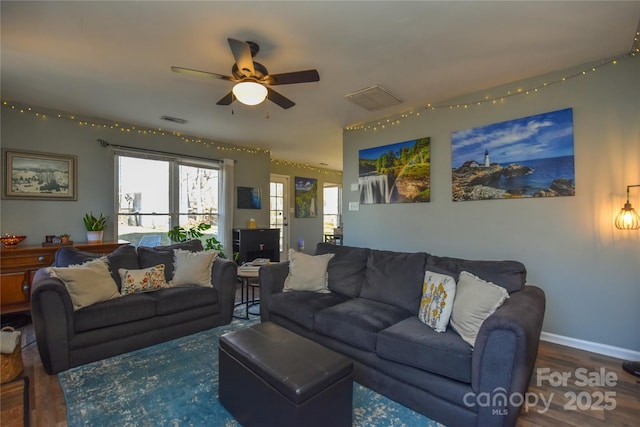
(438, 293)
(145, 280)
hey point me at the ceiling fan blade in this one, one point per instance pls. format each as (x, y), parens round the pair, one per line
(227, 99)
(305, 76)
(199, 73)
(280, 100)
(242, 54)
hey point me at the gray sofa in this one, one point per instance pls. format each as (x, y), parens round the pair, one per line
(68, 338)
(370, 315)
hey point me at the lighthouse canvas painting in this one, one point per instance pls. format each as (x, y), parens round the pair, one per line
(522, 158)
(396, 173)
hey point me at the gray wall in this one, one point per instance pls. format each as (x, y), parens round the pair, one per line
(589, 270)
(96, 181)
(308, 229)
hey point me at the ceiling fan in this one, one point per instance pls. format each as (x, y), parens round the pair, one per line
(252, 78)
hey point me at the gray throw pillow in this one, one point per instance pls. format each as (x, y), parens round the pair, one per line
(475, 301)
(148, 257)
(123, 257)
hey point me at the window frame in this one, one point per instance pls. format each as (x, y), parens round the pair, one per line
(174, 163)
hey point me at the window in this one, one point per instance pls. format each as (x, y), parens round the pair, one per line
(156, 193)
(332, 208)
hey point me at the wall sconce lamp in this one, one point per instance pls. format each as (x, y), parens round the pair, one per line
(628, 218)
(249, 92)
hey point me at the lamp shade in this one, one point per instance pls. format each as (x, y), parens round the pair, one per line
(628, 218)
(250, 93)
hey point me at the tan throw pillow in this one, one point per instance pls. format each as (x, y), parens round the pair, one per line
(475, 301)
(145, 280)
(307, 272)
(88, 283)
(438, 293)
(192, 268)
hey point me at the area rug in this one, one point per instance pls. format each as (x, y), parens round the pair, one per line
(176, 384)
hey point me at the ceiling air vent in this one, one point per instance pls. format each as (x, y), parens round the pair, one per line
(174, 119)
(373, 98)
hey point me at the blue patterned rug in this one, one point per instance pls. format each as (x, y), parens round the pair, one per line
(176, 384)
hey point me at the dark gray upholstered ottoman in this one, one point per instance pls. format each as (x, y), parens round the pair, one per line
(270, 376)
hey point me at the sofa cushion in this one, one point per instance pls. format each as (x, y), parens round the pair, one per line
(511, 275)
(346, 271)
(395, 278)
(148, 257)
(301, 307)
(358, 321)
(475, 300)
(115, 312)
(173, 300)
(438, 294)
(87, 284)
(307, 272)
(123, 257)
(413, 343)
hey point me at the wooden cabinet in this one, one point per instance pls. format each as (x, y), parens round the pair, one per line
(252, 243)
(18, 266)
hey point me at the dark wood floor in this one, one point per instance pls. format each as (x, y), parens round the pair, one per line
(47, 407)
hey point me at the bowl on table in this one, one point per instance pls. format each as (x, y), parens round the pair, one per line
(11, 241)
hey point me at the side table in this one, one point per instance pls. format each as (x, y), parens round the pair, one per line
(246, 274)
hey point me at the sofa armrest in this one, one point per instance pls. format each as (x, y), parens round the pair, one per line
(505, 352)
(271, 278)
(224, 277)
(52, 316)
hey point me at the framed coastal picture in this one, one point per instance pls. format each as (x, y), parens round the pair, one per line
(249, 198)
(306, 197)
(522, 158)
(396, 173)
(33, 175)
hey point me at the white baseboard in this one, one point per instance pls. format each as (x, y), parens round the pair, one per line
(608, 350)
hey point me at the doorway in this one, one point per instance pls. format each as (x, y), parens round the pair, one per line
(278, 211)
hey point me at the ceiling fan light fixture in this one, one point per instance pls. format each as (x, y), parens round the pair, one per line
(250, 93)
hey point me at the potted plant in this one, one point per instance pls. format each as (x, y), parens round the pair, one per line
(95, 227)
(64, 238)
(180, 234)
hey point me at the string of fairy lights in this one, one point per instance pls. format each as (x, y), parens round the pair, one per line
(395, 120)
(306, 166)
(145, 131)
(127, 128)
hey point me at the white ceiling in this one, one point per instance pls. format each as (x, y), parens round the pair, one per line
(112, 59)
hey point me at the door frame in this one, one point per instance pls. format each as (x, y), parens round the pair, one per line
(284, 180)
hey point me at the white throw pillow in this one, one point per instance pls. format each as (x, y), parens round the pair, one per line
(438, 293)
(145, 280)
(88, 283)
(307, 272)
(192, 268)
(475, 301)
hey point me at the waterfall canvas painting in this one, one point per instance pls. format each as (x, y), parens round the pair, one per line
(396, 173)
(306, 197)
(527, 157)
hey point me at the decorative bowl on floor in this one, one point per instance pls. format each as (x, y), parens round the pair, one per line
(11, 241)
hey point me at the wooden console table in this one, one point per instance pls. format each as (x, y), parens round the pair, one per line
(18, 266)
